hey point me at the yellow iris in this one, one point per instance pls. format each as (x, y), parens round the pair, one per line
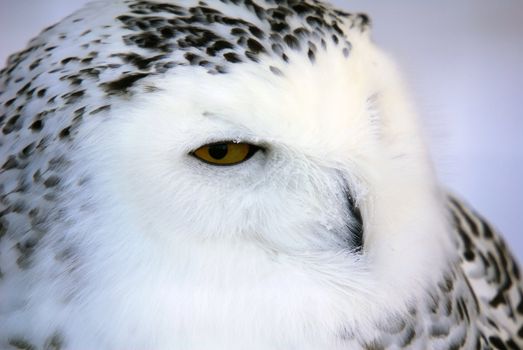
(225, 153)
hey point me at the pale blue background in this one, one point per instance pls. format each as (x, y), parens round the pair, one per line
(463, 60)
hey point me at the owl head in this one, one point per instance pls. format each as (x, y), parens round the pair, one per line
(165, 133)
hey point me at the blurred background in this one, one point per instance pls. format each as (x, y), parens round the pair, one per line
(464, 63)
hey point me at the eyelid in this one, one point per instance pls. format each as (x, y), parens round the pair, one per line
(248, 140)
(262, 145)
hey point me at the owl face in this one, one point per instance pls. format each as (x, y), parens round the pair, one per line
(326, 195)
(295, 188)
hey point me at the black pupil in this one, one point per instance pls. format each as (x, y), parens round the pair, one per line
(218, 151)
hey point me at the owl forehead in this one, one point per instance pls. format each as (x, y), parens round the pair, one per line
(263, 38)
(303, 109)
(229, 32)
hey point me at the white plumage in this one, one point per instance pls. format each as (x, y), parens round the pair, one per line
(116, 236)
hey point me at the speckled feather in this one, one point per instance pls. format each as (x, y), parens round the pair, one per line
(71, 77)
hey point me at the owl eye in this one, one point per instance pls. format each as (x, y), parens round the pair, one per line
(225, 153)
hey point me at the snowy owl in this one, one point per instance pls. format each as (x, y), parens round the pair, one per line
(231, 174)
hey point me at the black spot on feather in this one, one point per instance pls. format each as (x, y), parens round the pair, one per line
(122, 84)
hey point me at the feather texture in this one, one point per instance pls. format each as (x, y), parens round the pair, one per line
(335, 234)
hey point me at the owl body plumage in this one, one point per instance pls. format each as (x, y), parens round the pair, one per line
(334, 235)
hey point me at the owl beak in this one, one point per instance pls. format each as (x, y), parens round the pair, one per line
(356, 223)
